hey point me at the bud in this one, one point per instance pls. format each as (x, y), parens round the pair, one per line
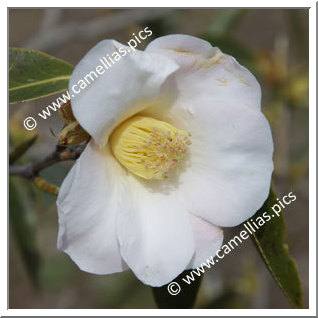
(66, 113)
(72, 134)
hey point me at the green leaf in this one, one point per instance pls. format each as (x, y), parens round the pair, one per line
(34, 74)
(18, 152)
(184, 299)
(23, 230)
(270, 242)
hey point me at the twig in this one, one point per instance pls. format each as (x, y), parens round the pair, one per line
(46, 186)
(30, 171)
(50, 19)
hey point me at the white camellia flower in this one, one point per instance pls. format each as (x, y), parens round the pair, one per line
(179, 149)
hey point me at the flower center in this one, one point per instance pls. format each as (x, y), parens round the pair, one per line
(148, 147)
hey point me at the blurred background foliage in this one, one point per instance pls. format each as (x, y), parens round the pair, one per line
(272, 43)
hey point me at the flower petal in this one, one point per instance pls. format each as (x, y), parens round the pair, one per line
(206, 71)
(184, 49)
(231, 162)
(88, 201)
(128, 86)
(208, 239)
(156, 237)
(228, 173)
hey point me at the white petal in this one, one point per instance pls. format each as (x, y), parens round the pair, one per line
(88, 201)
(231, 162)
(128, 86)
(227, 176)
(208, 239)
(184, 49)
(156, 237)
(206, 71)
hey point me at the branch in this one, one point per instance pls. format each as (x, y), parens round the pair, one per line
(30, 171)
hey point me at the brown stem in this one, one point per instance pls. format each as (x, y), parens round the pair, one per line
(31, 170)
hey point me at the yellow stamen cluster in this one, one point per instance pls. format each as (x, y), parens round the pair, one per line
(148, 147)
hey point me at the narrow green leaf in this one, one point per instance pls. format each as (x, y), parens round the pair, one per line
(24, 232)
(184, 299)
(34, 74)
(18, 152)
(270, 240)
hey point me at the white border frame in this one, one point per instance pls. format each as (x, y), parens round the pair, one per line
(312, 166)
